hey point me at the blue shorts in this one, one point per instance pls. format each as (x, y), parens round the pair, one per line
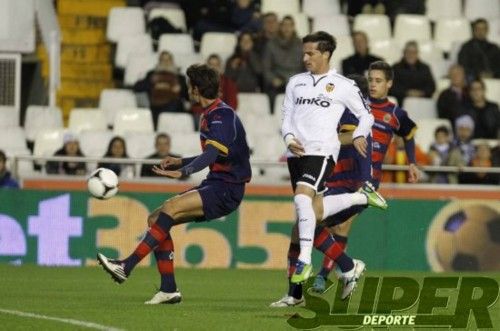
(219, 198)
(345, 214)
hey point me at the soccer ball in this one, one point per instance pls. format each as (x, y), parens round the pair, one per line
(466, 239)
(103, 183)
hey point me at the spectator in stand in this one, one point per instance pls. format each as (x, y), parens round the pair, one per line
(208, 16)
(71, 147)
(452, 101)
(481, 159)
(359, 62)
(245, 16)
(282, 58)
(442, 153)
(478, 56)
(412, 77)
(6, 180)
(269, 31)
(244, 67)
(464, 128)
(396, 154)
(117, 149)
(162, 146)
(485, 114)
(165, 86)
(228, 88)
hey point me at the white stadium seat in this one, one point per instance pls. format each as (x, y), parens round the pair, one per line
(133, 120)
(186, 144)
(9, 116)
(377, 27)
(183, 61)
(301, 24)
(175, 16)
(125, 21)
(40, 118)
(269, 147)
(47, 142)
(173, 123)
(253, 105)
(280, 6)
(492, 89)
(424, 137)
(475, 9)
(320, 7)
(420, 108)
(278, 103)
(112, 99)
(86, 119)
(139, 45)
(140, 144)
(494, 30)
(94, 143)
(138, 66)
(344, 49)
(449, 30)
(221, 43)
(438, 9)
(176, 43)
(411, 27)
(325, 23)
(13, 140)
(389, 50)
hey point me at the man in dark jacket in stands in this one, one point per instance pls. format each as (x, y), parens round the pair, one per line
(162, 146)
(6, 180)
(359, 62)
(412, 78)
(452, 101)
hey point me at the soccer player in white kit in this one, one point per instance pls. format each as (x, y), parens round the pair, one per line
(314, 103)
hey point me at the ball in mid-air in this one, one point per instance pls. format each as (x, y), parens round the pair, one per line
(103, 183)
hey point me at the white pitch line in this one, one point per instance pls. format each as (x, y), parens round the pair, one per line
(85, 324)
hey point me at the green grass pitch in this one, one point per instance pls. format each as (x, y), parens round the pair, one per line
(212, 299)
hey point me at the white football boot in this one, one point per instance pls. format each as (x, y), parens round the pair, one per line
(164, 297)
(112, 267)
(350, 278)
(288, 301)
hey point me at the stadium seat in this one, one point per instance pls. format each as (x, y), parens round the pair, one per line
(221, 43)
(438, 9)
(344, 49)
(494, 30)
(133, 120)
(377, 27)
(125, 21)
(474, 9)
(411, 27)
(112, 99)
(253, 105)
(140, 45)
(94, 143)
(256, 128)
(280, 6)
(86, 119)
(138, 66)
(439, 67)
(41, 117)
(420, 108)
(175, 16)
(183, 61)
(9, 116)
(388, 49)
(324, 23)
(301, 24)
(13, 140)
(492, 89)
(269, 147)
(173, 123)
(424, 137)
(186, 144)
(176, 43)
(278, 103)
(313, 8)
(48, 141)
(140, 144)
(448, 30)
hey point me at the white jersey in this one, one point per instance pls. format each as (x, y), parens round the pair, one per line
(313, 107)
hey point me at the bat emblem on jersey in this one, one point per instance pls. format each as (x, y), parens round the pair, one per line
(330, 87)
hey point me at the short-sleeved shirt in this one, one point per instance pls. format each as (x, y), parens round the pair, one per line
(221, 128)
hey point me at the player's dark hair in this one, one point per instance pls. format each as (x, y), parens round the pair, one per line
(361, 82)
(205, 79)
(110, 145)
(326, 42)
(384, 67)
(479, 21)
(162, 135)
(442, 129)
(3, 157)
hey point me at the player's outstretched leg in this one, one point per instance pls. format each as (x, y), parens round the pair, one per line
(120, 270)
(168, 293)
(294, 296)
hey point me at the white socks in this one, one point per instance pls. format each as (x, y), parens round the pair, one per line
(307, 224)
(333, 204)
